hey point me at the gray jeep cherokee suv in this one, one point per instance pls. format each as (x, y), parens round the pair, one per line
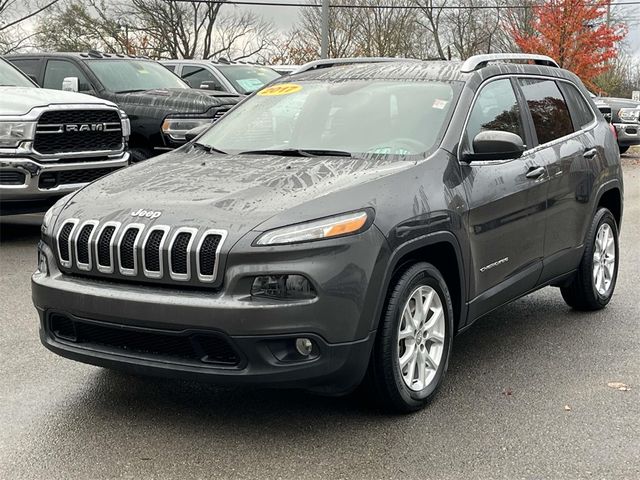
(340, 225)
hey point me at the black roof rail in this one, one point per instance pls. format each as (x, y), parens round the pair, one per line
(334, 62)
(477, 62)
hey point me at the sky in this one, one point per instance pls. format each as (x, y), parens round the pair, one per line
(284, 18)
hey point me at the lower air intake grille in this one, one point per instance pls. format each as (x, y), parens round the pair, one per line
(12, 177)
(200, 348)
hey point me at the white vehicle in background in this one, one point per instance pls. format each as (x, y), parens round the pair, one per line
(53, 142)
(240, 78)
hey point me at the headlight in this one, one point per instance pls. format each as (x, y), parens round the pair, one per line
(338, 226)
(176, 128)
(14, 133)
(126, 124)
(629, 114)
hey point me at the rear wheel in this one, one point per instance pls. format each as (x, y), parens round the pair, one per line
(595, 280)
(412, 348)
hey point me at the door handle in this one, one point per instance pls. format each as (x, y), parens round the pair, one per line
(590, 153)
(535, 172)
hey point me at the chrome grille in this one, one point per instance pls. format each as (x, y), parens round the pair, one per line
(157, 253)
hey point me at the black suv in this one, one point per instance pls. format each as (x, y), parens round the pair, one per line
(160, 106)
(343, 223)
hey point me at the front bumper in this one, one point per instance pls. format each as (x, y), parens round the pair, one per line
(29, 189)
(339, 321)
(628, 134)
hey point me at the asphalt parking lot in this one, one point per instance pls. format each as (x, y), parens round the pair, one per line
(527, 397)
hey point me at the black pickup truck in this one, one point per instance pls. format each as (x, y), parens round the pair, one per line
(160, 106)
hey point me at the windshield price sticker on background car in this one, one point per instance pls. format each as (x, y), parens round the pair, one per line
(282, 89)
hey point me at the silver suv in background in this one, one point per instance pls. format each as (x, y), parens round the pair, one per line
(53, 142)
(240, 78)
(624, 115)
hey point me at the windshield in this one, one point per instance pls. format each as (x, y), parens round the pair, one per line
(12, 77)
(248, 78)
(355, 116)
(122, 76)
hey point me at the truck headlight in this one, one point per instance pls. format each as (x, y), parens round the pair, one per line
(330, 227)
(176, 128)
(126, 124)
(14, 133)
(629, 114)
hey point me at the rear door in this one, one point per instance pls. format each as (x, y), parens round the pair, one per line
(563, 126)
(507, 204)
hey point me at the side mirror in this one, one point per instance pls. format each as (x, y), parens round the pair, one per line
(495, 145)
(71, 84)
(209, 85)
(195, 132)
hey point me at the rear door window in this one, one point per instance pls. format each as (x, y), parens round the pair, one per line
(548, 108)
(495, 108)
(28, 66)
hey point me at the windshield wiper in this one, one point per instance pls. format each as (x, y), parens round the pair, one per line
(299, 152)
(209, 148)
(133, 90)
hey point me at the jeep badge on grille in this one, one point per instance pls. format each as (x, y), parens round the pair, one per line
(146, 213)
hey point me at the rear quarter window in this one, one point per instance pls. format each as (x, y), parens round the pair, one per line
(580, 110)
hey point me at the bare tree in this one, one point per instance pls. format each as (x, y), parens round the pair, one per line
(239, 36)
(13, 15)
(433, 20)
(386, 32)
(473, 26)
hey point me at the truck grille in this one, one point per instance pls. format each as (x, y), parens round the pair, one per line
(204, 348)
(153, 254)
(70, 177)
(69, 131)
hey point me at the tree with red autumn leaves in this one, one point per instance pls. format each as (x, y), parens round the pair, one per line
(575, 34)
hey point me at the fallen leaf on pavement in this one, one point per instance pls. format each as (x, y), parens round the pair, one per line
(623, 387)
(507, 392)
(567, 408)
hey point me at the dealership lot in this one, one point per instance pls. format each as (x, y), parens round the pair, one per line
(526, 397)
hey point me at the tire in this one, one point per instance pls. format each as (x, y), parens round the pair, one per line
(623, 149)
(385, 377)
(586, 292)
(139, 154)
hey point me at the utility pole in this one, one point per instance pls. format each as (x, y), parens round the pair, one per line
(324, 50)
(609, 13)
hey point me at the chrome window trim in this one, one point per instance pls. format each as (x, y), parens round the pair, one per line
(74, 222)
(112, 242)
(183, 277)
(223, 236)
(84, 266)
(130, 272)
(537, 148)
(160, 273)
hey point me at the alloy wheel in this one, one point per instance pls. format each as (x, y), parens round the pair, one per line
(604, 259)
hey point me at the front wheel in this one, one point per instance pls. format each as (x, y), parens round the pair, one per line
(594, 282)
(412, 349)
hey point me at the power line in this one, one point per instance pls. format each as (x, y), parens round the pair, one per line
(388, 7)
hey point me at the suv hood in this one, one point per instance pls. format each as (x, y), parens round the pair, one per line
(21, 100)
(177, 100)
(233, 192)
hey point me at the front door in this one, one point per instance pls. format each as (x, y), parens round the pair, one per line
(507, 205)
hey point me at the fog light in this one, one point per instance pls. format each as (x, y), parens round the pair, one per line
(283, 287)
(304, 346)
